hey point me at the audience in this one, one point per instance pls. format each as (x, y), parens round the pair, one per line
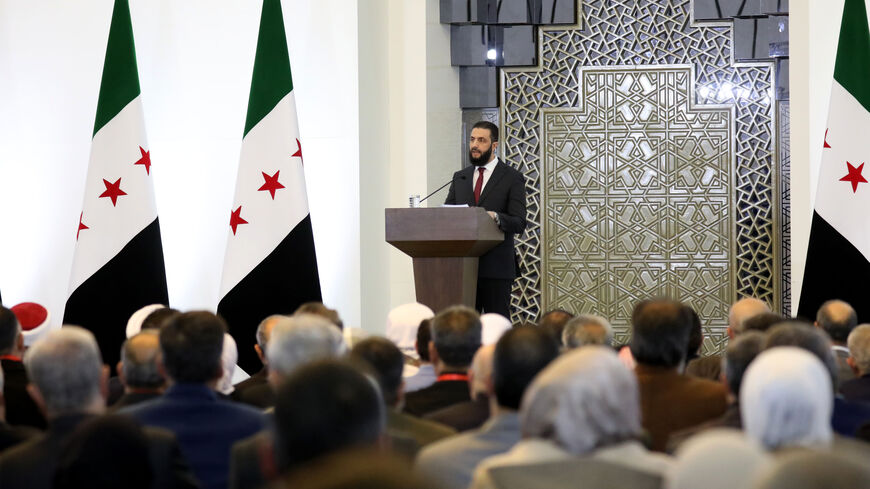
(492, 326)
(762, 322)
(517, 358)
(696, 336)
(69, 384)
(455, 338)
(469, 415)
(554, 321)
(710, 367)
(255, 389)
(718, 459)
(423, 375)
(139, 371)
(229, 357)
(587, 329)
(402, 325)
(814, 470)
(837, 318)
(11, 435)
(318, 309)
(20, 408)
(670, 401)
(206, 426)
(858, 389)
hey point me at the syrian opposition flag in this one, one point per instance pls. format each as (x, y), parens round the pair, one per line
(838, 257)
(270, 265)
(118, 263)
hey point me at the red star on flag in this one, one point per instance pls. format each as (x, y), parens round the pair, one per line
(826, 140)
(272, 184)
(81, 225)
(854, 177)
(113, 191)
(236, 219)
(298, 151)
(145, 160)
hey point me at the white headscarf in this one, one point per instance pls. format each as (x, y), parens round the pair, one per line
(786, 399)
(402, 324)
(584, 400)
(134, 324)
(229, 357)
(717, 459)
(493, 325)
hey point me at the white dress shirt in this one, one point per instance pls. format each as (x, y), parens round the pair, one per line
(488, 168)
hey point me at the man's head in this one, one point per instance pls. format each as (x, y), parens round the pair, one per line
(424, 336)
(762, 322)
(11, 341)
(660, 333)
(456, 334)
(480, 373)
(741, 311)
(66, 373)
(324, 407)
(519, 355)
(804, 336)
(739, 354)
(264, 332)
(402, 325)
(138, 367)
(318, 309)
(859, 349)
(387, 361)
(298, 340)
(482, 143)
(696, 334)
(191, 344)
(837, 318)
(157, 318)
(587, 329)
(554, 323)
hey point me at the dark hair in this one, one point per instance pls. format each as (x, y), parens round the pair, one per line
(554, 321)
(838, 326)
(493, 129)
(739, 354)
(806, 336)
(318, 309)
(519, 355)
(424, 336)
(762, 322)
(660, 332)
(387, 361)
(191, 344)
(323, 407)
(456, 334)
(103, 451)
(158, 318)
(9, 330)
(365, 468)
(696, 335)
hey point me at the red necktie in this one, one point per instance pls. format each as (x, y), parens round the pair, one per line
(479, 185)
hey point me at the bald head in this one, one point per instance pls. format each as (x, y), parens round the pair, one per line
(264, 332)
(741, 311)
(481, 370)
(139, 361)
(837, 318)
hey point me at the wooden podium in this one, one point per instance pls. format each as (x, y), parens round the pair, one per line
(445, 243)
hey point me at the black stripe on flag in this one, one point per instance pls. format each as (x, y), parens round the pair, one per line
(132, 279)
(835, 270)
(278, 285)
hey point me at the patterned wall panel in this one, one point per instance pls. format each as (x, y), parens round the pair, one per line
(671, 197)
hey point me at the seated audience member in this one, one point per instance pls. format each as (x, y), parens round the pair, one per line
(206, 427)
(763, 322)
(554, 322)
(585, 403)
(318, 309)
(356, 469)
(786, 401)
(696, 336)
(469, 415)
(587, 329)
(455, 338)
(813, 470)
(68, 381)
(492, 326)
(11, 435)
(255, 390)
(858, 389)
(138, 370)
(848, 416)
(229, 357)
(740, 353)
(157, 318)
(423, 375)
(34, 319)
(408, 433)
(710, 367)
(838, 318)
(20, 408)
(670, 401)
(717, 459)
(518, 357)
(402, 325)
(134, 324)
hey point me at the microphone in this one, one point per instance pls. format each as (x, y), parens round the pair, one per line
(463, 177)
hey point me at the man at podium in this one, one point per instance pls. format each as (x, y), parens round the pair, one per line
(501, 190)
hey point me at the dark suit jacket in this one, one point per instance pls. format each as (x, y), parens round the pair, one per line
(252, 462)
(505, 194)
(133, 398)
(13, 435)
(856, 389)
(709, 368)
(259, 378)
(32, 464)
(258, 395)
(438, 395)
(205, 426)
(464, 416)
(731, 419)
(20, 408)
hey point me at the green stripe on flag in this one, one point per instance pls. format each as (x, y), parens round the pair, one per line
(120, 84)
(852, 69)
(271, 80)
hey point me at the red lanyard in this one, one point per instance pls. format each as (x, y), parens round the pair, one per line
(10, 357)
(453, 377)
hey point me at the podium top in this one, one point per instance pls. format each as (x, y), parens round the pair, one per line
(442, 231)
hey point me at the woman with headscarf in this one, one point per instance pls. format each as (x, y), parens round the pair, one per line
(585, 403)
(786, 400)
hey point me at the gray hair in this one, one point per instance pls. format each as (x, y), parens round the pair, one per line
(859, 347)
(65, 365)
(262, 337)
(587, 329)
(301, 339)
(138, 364)
(583, 400)
(739, 354)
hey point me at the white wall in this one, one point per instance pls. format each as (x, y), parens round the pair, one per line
(195, 62)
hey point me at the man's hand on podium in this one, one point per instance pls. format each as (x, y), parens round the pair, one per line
(494, 216)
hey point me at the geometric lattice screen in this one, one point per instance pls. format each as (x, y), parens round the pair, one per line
(650, 164)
